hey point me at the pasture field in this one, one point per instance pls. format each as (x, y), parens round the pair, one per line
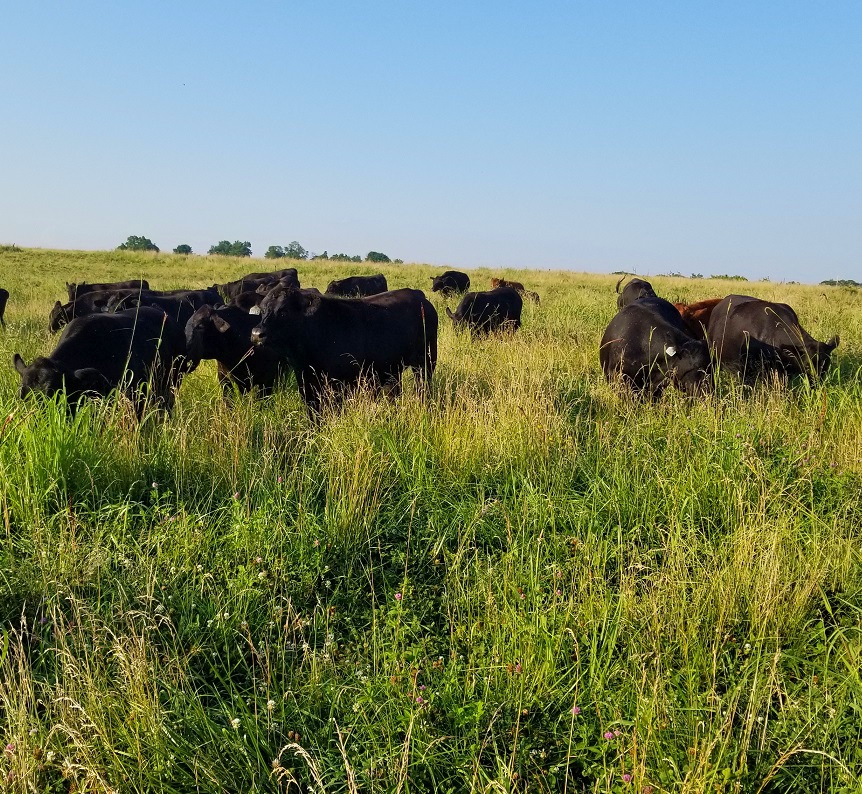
(534, 583)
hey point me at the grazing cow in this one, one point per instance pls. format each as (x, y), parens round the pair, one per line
(76, 290)
(99, 353)
(358, 286)
(450, 282)
(179, 305)
(516, 285)
(84, 305)
(649, 346)
(336, 343)
(696, 315)
(484, 312)
(251, 281)
(4, 297)
(224, 334)
(636, 289)
(752, 337)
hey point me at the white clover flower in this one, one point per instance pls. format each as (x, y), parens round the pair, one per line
(235, 723)
(270, 705)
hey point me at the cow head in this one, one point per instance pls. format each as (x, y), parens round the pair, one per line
(59, 316)
(202, 333)
(282, 314)
(44, 376)
(689, 366)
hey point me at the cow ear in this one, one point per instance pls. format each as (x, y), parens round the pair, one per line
(221, 325)
(19, 364)
(833, 342)
(57, 305)
(90, 379)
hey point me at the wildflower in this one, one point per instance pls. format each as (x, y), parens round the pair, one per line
(276, 764)
(236, 495)
(280, 480)
(523, 596)
(422, 687)
(609, 735)
(199, 567)
(226, 615)
(262, 575)
(648, 790)
(518, 667)
(627, 778)
(43, 620)
(49, 756)
(10, 748)
(155, 485)
(419, 699)
(316, 542)
(235, 723)
(398, 596)
(34, 731)
(559, 592)
(209, 624)
(617, 732)
(576, 710)
(270, 705)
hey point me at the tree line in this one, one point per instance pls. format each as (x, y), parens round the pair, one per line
(242, 248)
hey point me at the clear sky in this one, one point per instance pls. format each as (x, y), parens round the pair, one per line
(721, 137)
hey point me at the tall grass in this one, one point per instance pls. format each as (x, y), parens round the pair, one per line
(534, 583)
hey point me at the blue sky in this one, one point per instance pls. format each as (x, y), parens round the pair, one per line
(649, 136)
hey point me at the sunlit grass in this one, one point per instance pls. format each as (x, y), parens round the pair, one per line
(531, 583)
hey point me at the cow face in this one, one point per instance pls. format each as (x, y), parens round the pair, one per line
(821, 357)
(44, 376)
(58, 317)
(690, 367)
(282, 313)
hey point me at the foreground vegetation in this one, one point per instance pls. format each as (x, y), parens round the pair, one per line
(533, 584)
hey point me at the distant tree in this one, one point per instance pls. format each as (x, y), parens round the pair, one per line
(730, 278)
(274, 252)
(183, 249)
(356, 258)
(227, 248)
(295, 251)
(841, 282)
(397, 261)
(324, 255)
(135, 243)
(344, 258)
(697, 275)
(376, 256)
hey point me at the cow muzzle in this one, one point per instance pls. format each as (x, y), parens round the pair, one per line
(258, 336)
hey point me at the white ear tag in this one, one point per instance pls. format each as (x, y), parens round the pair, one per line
(670, 351)
(254, 310)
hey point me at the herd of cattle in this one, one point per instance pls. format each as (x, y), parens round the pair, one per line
(263, 326)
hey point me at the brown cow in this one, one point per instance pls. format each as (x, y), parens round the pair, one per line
(696, 315)
(496, 283)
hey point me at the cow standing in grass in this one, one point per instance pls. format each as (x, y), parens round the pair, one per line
(334, 344)
(752, 337)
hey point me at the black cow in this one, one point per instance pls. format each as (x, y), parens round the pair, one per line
(179, 305)
(4, 297)
(84, 305)
(76, 290)
(358, 286)
(636, 289)
(334, 342)
(251, 281)
(751, 337)
(484, 312)
(98, 353)
(450, 282)
(224, 334)
(649, 346)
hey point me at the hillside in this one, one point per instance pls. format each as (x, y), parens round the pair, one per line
(533, 583)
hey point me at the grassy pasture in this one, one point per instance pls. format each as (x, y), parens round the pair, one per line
(533, 584)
